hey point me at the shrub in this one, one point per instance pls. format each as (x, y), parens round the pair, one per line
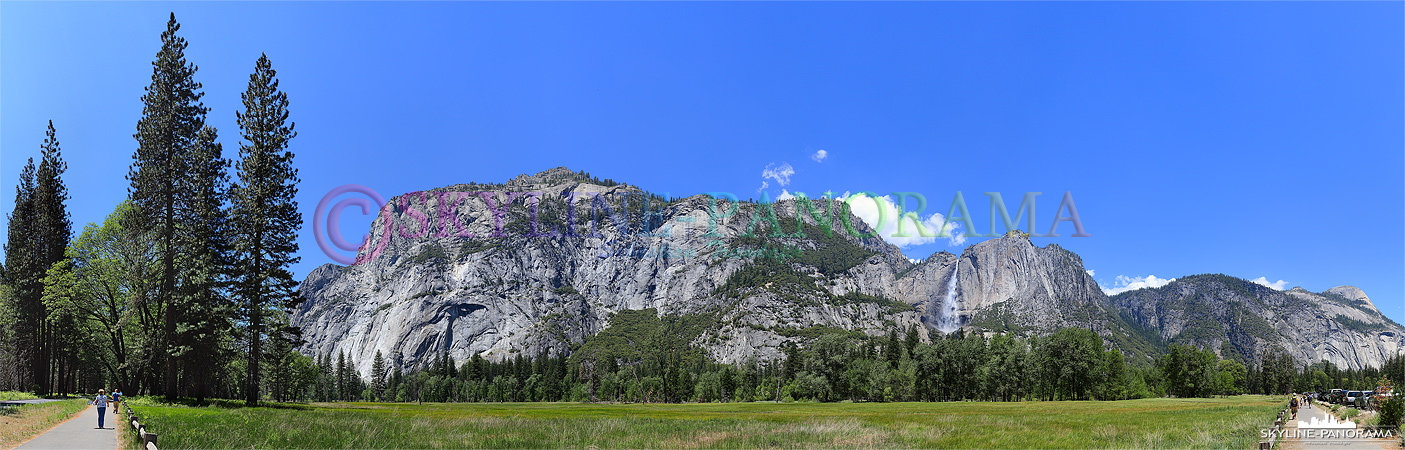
(1391, 412)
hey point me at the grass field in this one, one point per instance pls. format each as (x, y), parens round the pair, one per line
(15, 395)
(20, 423)
(1148, 423)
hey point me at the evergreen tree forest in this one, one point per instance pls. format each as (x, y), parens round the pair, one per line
(656, 363)
(184, 289)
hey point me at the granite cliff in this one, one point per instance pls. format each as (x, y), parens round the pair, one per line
(1231, 315)
(541, 262)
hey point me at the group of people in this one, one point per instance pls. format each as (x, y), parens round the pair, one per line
(102, 399)
(1296, 400)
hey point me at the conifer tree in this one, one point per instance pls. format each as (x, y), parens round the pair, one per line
(378, 375)
(54, 227)
(24, 279)
(891, 350)
(264, 217)
(342, 378)
(172, 118)
(40, 230)
(203, 264)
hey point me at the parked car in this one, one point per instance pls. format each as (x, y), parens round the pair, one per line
(1334, 396)
(1349, 398)
(1364, 401)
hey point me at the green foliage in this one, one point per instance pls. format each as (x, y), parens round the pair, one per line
(166, 162)
(429, 252)
(1191, 372)
(1254, 326)
(16, 395)
(565, 290)
(828, 252)
(775, 276)
(471, 246)
(38, 239)
(419, 295)
(1392, 410)
(649, 345)
(1362, 305)
(1067, 363)
(1356, 325)
(893, 306)
(1232, 378)
(1140, 344)
(833, 254)
(999, 318)
(265, 219)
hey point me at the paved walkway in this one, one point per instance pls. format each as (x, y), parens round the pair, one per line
(27, 402)
(1313, 438)
(80, 432)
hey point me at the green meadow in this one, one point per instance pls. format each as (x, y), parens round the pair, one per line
(1232, 422)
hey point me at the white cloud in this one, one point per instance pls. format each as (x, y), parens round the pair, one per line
(1125, 283)
(914, 261)
(779, 173)
(1090, 273)
(785, 195)
(1278, 286)
(820, 156)
(763, 187)
(869, 210)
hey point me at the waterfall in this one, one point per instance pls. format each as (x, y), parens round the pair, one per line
(946, 323)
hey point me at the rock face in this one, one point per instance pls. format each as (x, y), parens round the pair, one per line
(541, 262)
(462, 280)
(1228, 314)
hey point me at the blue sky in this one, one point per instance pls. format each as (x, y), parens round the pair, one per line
(1259, 139)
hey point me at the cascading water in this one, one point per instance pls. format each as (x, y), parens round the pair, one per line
(946, 323)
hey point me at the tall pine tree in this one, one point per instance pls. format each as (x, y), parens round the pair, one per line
(203, 264)
(53, 229)
(172, 118)
(264, 219)
(24, 276)
(40, 229)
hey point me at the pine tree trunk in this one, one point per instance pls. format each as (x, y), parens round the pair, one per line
(251, 397)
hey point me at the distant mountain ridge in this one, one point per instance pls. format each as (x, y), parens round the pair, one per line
(517, 287)
(1340, 325)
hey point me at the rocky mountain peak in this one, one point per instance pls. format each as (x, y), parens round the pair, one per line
(1351, 293)
(1248, 319)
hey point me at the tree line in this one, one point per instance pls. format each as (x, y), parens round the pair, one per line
(1070, 364)
(184, 289)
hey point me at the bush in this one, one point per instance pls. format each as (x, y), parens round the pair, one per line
(1391, 412)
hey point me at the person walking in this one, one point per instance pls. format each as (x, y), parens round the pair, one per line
(101, 401)
(1293, 405)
